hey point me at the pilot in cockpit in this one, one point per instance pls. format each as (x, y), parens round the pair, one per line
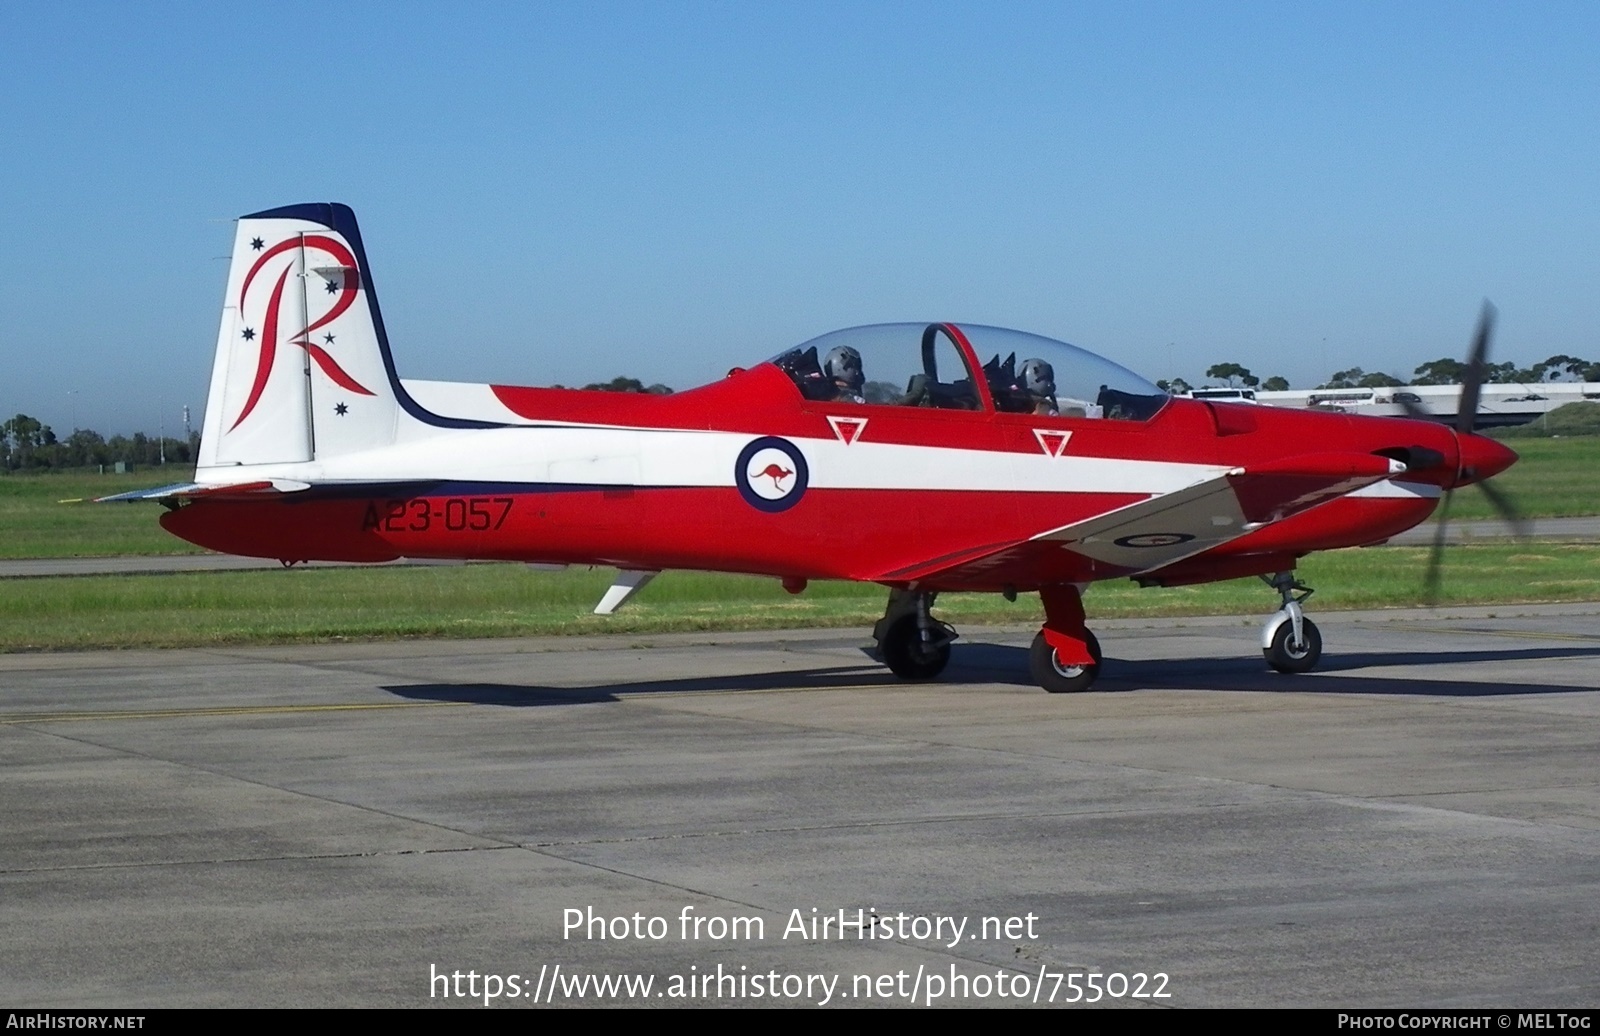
(1038, 380)
(843, 367)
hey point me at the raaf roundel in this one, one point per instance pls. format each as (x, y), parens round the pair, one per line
(1008, 463)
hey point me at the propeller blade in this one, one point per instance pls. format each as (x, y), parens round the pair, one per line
(1502, 503)
(1466, 417)
(1477, 365)
(1430, 582)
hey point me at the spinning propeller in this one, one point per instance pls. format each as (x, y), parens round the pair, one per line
(1479, 458)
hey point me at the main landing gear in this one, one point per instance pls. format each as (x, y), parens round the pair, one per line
(1290, 641)
(1065, 656)
(914, 645)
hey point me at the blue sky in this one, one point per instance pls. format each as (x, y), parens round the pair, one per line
(567, 192)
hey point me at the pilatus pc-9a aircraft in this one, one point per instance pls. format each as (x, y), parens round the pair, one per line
(925, 457)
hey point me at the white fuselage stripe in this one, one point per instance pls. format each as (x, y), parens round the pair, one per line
(587, 455)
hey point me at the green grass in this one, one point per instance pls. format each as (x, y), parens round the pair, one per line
(1553, 478)
(312, 605)
(34, 524)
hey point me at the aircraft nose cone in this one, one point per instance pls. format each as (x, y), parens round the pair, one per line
(1482, 458)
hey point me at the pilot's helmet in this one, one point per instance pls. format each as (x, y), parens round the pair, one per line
(1038, 379)
(844, 364)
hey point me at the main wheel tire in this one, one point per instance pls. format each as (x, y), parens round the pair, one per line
(1054, 676)
(1287, 657)
(905, 654)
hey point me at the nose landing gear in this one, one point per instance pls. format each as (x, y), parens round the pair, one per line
(1290, 642)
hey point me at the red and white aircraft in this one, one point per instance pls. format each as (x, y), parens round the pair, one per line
(1008, 462)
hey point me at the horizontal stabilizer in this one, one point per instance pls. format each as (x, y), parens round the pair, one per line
(198, 490)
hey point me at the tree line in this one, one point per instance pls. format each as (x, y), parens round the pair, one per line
(1444, 371)
(27, 444)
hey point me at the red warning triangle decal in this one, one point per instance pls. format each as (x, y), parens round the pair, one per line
(1054, 443)
(848, 429)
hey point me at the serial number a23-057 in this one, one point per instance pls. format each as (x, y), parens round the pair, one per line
(426, 514)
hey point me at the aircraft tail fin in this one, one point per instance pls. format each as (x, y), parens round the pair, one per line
(302, 368)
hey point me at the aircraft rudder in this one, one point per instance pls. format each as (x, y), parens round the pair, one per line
(302, 370)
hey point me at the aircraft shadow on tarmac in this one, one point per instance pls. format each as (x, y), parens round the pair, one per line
(831, 678)
(994, 663)
(1003, 664)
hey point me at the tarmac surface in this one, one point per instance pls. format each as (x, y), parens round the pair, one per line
(1417, 824)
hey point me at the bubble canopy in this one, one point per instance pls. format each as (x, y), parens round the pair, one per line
(913, 364)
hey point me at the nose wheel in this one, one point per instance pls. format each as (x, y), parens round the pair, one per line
(1290, 654)
(1290, 642)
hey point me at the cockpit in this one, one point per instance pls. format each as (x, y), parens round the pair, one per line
(938, 366)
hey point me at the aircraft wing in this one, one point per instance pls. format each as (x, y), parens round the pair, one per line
(1163, 529)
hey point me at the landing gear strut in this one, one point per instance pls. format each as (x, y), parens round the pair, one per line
(914, 645)
(1290, 641)
(1065, 657)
